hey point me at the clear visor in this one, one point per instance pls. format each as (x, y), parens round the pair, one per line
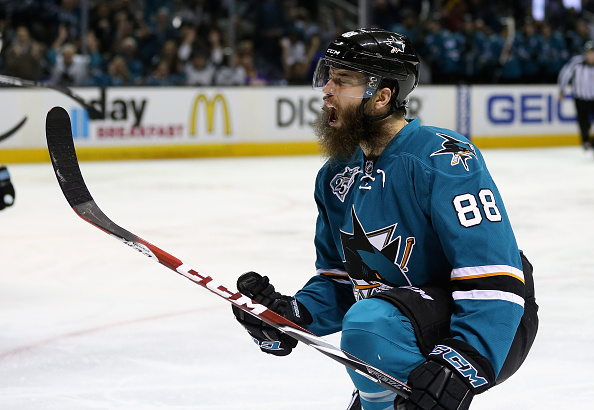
(341, 79)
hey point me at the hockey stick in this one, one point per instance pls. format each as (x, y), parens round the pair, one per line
(13, 129)
(94, 114)
(65, 163)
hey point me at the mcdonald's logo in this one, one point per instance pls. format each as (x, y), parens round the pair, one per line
(210, 105)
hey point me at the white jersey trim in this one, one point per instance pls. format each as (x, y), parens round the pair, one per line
(488, 295)
(487, 270)
(337, 275)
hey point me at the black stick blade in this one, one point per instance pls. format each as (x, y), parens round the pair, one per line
(58, 132)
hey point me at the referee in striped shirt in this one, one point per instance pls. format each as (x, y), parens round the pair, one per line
(579, 71)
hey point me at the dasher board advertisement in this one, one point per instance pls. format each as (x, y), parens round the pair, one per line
(172, 122)
(522, 116)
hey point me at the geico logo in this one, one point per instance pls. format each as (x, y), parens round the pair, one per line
(210, 105)
(528, 109)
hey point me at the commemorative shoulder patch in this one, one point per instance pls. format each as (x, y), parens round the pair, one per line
(342, 182)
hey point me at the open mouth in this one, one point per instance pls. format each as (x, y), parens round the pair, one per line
(333, 116)
(332, 113)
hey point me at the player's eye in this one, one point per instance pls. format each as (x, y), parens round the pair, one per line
(336, 80)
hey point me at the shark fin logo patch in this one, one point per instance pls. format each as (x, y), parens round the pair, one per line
(460, 151)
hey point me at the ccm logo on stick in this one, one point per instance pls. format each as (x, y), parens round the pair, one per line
(215, 287)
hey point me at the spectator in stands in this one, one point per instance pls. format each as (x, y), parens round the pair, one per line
(442, 49)
(24, 57)
(161, 30)
(70, 68)
(457, 55)
(505, 52)
(577, 38)
(233, 73)
(432, 48)
(254, 75)
(554, 53)
(188, 42)
(96, 62)
(529, 50)
(203, 13)
(294, 57)
(134, 64)
(124, 28)
(408, 27)
(486, 63)
(454, 15)
(472, 46)
(327, 30)
(270, 23)
(199, 70)
(386, 13)
(556, 13)
(315, 51)
(169, 54)
(117, 74)
(162, 76)
(100, 23)
(68, 16)
(303, 21)
(217, 52)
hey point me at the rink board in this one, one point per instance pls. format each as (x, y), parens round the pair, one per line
(181, 122)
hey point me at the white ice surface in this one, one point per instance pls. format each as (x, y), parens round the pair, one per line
(87, 323)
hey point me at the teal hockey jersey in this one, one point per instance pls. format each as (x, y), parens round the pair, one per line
(425, 212)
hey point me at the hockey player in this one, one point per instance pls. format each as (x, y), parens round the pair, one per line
(417, 263)
(6, 188)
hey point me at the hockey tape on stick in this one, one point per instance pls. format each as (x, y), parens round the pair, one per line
(67, 170)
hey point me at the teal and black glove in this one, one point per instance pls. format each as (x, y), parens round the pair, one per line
(270, 339)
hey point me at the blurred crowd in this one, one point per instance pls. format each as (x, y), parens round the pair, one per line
(188, 42)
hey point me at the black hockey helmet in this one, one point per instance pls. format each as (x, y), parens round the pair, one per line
(376, 53)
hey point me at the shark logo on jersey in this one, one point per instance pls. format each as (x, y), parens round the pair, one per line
(397, 45)
(460, 151)
(341, 183)
(370, 258)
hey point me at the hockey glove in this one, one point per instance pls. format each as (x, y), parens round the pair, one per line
(449, 379)
(270, 340)
(6, 189)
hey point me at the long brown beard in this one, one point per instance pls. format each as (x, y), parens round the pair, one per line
(340, 143)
